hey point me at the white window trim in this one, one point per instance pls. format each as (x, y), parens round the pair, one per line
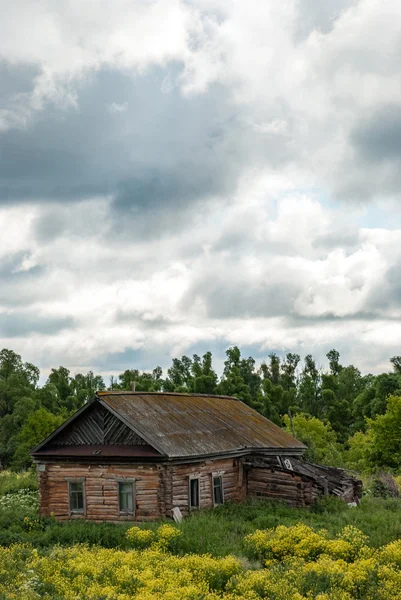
(127, 512)
(190, 478)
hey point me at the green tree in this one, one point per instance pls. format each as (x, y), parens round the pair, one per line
(385, 432)
(372, 399)
(309, 389)
(179, 376)
(334, 362)
(238, 377)
(37, 427)
(16, 379)
(204, 377)
(61, 379)
(396, 362)
(85, 386)
(358, 455)
(319, 437)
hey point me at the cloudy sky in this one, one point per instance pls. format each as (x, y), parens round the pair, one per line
(179, 176)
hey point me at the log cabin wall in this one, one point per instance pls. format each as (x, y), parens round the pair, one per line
(101, 490)
(292, 488)
(177, 483)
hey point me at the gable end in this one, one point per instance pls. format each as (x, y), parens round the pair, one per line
(97, 426)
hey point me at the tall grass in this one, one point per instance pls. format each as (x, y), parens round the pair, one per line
(13, 482)
(218, 532)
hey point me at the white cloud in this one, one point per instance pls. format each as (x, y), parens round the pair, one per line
(114, 107)
(114, 308)
(270, 260)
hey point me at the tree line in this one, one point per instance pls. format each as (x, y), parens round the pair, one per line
(345, 418)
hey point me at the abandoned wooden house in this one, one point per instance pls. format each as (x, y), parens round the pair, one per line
(138, 455)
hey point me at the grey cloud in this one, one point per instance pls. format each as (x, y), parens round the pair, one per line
(22, 288)
(49, 226)
(144, 321)
(241, 297)
(155, 160)
(387, 295)
(373, 168)
(346, 239)
(319, 16)
(378, 137)
(296, 320)
(143, 358)
(139, 155)
(15, 80)
(9, 266)
(24, 323)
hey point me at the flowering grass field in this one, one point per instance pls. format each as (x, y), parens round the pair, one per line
(257, 550)
(291, 563)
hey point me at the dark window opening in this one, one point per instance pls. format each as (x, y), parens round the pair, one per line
(76, 494)
(218, 495)
(126, 497)
(194, 499)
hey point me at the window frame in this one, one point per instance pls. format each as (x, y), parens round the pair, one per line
(133, 484)
(190, 479)
(76, 511)
(218, 475)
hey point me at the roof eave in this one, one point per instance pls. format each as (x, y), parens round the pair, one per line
(241, 452)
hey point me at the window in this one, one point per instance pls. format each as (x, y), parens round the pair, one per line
(76, 494)
(194, 493)
(218, 495)
(126, 502)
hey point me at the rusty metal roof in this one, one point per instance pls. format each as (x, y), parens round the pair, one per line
(189, 425)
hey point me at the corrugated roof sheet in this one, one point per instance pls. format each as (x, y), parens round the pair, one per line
(187, 425)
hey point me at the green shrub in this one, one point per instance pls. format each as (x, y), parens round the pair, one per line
(13, 482)
(329, 504)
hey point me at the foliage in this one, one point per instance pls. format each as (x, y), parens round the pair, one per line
(217, 532)
(303, 563)
(319, 438)
(164, 538)
(300, 540)
(358, 454)
(13, 482)
(298, 563)
(98, 573)
(36, 428)
(140, 538)
(331, 406)
(386, 435)
(384, 486)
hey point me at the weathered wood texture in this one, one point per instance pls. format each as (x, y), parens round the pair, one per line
(177, 483)
(159, 488)
(287, 487)
(298, 481)
(97, 426)
(101, 491)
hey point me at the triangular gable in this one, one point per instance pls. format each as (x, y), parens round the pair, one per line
(97, 426)
(93, 424)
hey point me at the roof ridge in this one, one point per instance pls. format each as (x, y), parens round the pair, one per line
(138, 393)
